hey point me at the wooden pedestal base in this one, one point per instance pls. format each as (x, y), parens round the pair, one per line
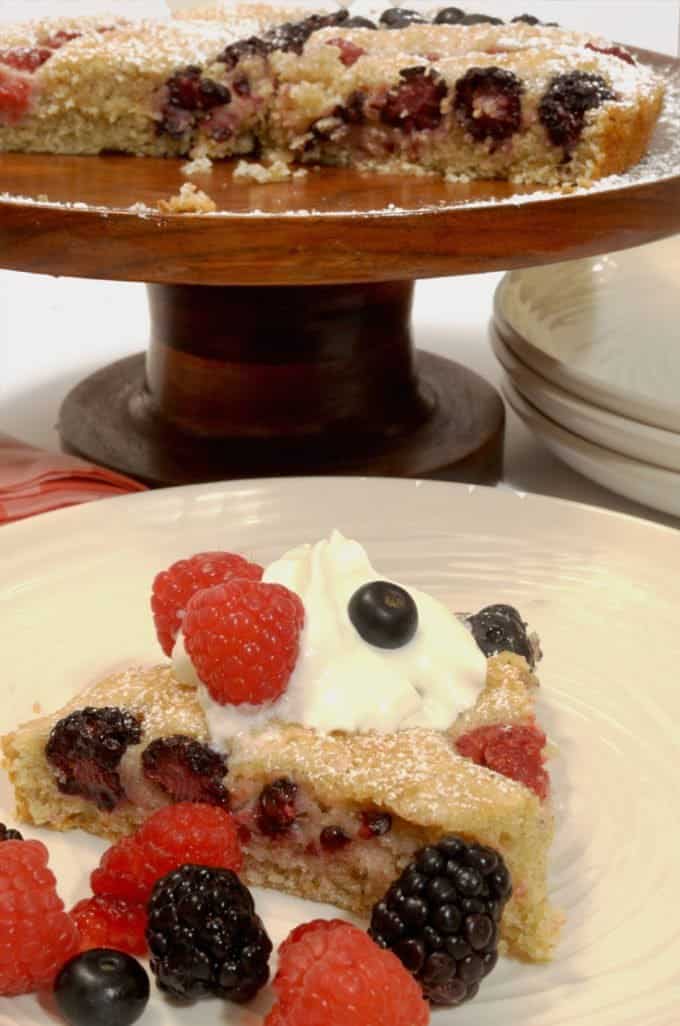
(267, 381)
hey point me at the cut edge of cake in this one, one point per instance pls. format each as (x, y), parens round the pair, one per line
(239, 83)
(414, 776)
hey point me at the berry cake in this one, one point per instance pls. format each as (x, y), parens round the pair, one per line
(461, 95)
(344, 720)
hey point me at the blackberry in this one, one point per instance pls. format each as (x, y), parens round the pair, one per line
(353, 111)
(205, 937)
(440, 917)
(564, 106)
(500, 628)
(400, 17)
(449, 16)
(85, 749)
(186, 770)
(253, 46)
(187, 97)
(358, 22)
(291, 36)
(7, 834)
(488, 103)
(276, 810)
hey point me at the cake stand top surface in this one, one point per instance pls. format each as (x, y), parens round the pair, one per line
(97, 217)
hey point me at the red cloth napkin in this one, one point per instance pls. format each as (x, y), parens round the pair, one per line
(34, 481)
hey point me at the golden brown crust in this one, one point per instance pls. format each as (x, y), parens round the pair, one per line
(415, 775)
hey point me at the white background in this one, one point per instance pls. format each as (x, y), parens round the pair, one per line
(54, 331)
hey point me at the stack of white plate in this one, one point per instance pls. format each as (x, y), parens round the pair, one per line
(591, 353)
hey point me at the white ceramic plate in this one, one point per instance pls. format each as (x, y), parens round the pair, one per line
(651, 485)
(605, 329)
(602, 589)
(629, 437)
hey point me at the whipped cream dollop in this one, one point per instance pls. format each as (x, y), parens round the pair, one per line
(340, 681)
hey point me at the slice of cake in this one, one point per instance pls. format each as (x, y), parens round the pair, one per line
(520, 109)
(385, 727)
(531, 103)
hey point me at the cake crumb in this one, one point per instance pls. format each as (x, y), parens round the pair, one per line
(189, 200)
(37, 708)
(199, 166)
(276, 171)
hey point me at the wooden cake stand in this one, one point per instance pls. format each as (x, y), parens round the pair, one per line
(280, 340)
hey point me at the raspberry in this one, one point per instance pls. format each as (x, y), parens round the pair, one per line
(613, 51)
(186, 832)
(60, 38)
(332, 974)
(440, 917)
(349, 51)
(172, 588)
(36, 934)
(85, 749)
(243, 639)
(25, 58)
(416, 103)
(186, 770)
(205, 937)
(514, 750)
(16, 95)
(110, 923)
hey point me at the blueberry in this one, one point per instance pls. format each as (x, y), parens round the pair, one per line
(359, 22)
(102, 987)
(449, 16)
(334, 838)
(384, 614)
(500, 628)
(480, 19)
(400, 17)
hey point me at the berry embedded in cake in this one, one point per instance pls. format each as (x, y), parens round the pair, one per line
(462, 95)
(333, 723)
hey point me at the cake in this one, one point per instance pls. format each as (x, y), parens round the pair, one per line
(527, 102)
(362, 757)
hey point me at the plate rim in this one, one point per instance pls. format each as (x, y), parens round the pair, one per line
(615, 399)
(38, 521)
(577, 406)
